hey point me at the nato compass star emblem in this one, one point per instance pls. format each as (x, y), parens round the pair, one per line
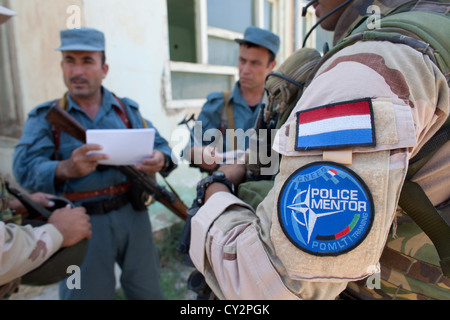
(325, 209)
(309, 216)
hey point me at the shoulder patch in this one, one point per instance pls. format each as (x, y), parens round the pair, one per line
(325, 209)
(340, 125)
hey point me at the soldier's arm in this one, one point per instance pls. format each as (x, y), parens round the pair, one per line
(244, 254)
(23, 248)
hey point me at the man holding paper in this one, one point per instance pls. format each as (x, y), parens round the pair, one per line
(54, 162)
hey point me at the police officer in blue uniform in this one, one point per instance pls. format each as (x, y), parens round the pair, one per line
(256, 60)
(122, 231)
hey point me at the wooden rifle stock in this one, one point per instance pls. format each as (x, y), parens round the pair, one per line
(62, 120)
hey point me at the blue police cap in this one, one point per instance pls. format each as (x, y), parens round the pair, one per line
(261, 37)
(82, 39)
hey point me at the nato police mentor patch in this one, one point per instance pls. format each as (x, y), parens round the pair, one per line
(325, 209)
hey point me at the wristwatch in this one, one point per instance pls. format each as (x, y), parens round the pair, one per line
(216, 176)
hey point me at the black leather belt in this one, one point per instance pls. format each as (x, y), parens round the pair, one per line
(105, 206)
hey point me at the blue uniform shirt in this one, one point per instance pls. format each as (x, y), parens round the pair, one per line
(211, 114)
(33, 164)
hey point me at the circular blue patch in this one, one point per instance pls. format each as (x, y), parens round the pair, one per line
(325, 209)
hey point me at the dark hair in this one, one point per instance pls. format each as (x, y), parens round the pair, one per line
(252, 45)
(103, 58)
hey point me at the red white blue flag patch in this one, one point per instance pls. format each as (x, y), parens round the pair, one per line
(340, 125)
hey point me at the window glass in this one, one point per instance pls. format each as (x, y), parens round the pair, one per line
(182, 35)
(222, 52)
(267, 15)
(234, 15)
(197, 85)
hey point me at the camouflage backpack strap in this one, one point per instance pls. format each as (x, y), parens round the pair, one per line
(424, 28)
(416, 204)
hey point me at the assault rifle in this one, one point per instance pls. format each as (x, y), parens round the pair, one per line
(61, 119)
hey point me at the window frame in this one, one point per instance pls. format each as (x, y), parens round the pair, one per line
(203, 32)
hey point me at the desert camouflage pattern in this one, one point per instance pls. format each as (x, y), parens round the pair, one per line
(410, 264)
(5, 212)
(7, 216)
(17, 256)
(358, 10)
(409, 267)
(235, 248)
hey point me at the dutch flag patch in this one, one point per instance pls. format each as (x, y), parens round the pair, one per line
(334, 126)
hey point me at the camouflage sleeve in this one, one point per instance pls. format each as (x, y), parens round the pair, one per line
(246, 254)
(23, 248)
(233, 249)
(410, 102)
(380, 70)
(227, 250)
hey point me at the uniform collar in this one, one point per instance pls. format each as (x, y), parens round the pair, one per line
(236, 96)
(108, 101)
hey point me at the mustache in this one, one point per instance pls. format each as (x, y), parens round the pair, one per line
(78, 79)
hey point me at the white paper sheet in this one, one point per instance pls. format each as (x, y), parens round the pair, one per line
(124, 147)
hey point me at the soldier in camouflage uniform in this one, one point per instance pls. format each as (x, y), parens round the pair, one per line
(23, 248)
(392, 99)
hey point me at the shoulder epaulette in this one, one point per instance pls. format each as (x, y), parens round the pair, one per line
(130, 102)
(214, 96)
(42, 106)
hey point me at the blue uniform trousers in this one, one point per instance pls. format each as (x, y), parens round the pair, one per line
(123, 236)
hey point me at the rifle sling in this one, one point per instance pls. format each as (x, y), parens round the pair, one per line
(228, 105)
(416, 204)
